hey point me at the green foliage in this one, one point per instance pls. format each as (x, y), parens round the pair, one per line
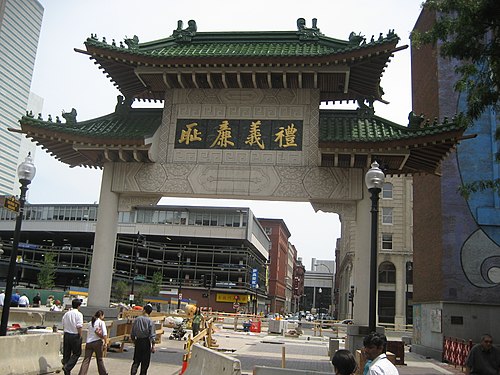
(46, 276)
(120, 290)
(152, 289)
(156, 284)
(467, 189)
(469, 31)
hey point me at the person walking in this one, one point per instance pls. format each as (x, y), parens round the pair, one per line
(72, 322)
(483, 358)
(344, 362)
(143, 334)
(95, 343)
(195, 324)
(375, 345)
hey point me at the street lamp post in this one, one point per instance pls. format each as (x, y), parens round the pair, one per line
(374, 181)
(409, 268)
(179, 277)
(26, 172)
(134, 273)
(333, 284)
(256, 307)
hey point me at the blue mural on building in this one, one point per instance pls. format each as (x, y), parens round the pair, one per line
(480, 252)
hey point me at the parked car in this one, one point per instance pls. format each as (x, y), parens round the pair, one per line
(344, 323)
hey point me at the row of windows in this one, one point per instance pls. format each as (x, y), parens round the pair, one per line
(171, 217)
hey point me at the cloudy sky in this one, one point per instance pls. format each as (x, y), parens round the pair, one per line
(66, 79)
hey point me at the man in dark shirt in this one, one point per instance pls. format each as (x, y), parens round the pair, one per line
(484, 358)
(143, 334)
(36, 300)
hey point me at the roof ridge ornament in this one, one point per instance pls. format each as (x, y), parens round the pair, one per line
(70, 117)
(185, 35)
(123, 105)
(415, 121)
(306, 33)
(356, 40)
(132, 43)
(365, 111)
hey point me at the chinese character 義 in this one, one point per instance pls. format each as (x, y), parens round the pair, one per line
(254, 136)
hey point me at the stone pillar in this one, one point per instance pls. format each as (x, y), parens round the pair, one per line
(361, 263)
(400, 295)
(101, 273)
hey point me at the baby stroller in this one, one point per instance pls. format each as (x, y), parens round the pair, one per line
(179, 331)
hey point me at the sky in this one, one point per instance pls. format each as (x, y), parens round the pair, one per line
(66, 79)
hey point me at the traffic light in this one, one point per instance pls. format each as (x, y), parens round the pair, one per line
(351, 294)
(206, 281)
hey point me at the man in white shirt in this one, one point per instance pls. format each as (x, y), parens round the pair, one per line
(2, 298)
(72, 322)
(374, 349)
(24, 301)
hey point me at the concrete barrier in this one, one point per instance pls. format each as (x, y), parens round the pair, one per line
(206, 361)
(30, 354)
(52, 318)
(264, 370)
(25, 318)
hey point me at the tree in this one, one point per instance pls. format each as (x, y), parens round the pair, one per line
(469, 31)
(46, 276)
(152, 289)
(121, 288)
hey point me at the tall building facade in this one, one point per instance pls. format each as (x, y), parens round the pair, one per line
(456, 240)
(279, 234)
(395, 257)
(20, 24)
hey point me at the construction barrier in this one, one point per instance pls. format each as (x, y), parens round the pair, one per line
(455, 351)
(256, 326)
(264, 370)
(209, 362)
(30, 354)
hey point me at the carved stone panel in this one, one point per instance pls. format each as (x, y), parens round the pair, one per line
(239, 181)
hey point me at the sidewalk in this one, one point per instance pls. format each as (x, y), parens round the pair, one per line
(259, 349)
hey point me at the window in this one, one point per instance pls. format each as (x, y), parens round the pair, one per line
(386, 215)
(268, 230)
(387, 191)
(387, 273)
(386, 241)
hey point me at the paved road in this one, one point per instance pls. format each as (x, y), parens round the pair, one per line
(259, 349)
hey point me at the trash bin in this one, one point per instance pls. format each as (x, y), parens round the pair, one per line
(398, 348)
(256, 326)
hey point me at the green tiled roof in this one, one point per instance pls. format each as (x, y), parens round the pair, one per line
(136, 124)
(354, 126)
(242, 44)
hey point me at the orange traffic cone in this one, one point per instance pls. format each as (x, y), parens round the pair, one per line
(184, 364)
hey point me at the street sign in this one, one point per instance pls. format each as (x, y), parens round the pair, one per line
(254, 278)
(236, 305)
(11, 203)
(131, 297)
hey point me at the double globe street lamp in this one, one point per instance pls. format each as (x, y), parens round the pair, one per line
(26, 172)
(374, 180)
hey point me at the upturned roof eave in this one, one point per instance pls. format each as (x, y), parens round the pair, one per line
(130, 56)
